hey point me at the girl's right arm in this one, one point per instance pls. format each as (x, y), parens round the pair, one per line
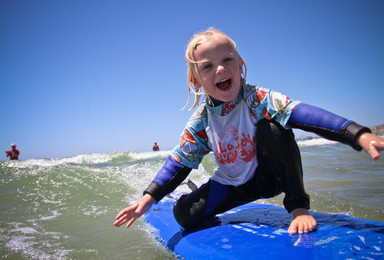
(192, 147)
(167, 179)
(170, 176)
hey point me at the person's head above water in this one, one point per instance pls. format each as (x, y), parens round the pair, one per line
(215, 67)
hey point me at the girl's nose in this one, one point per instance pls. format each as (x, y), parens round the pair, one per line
(220, 69)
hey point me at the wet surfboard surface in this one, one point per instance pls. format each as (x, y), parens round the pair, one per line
(259, 231)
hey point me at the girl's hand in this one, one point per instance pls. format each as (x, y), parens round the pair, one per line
(135, 211)
(372, 144)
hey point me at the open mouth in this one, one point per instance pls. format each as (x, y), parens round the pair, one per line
(224, 85)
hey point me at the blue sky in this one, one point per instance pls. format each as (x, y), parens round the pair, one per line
(108, 75)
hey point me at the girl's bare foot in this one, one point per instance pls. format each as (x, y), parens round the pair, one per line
(302, 222)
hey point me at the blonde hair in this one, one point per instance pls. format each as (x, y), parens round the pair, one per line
(193, 75)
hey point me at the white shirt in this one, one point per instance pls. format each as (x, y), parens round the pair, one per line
(232, 139)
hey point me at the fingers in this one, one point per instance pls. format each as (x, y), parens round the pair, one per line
(130, 214)
(372, 144)
(374, 155)
(126, 215)
(131, 222)
(121, 218)
(120, 222)
(123, 212)
(376, 148)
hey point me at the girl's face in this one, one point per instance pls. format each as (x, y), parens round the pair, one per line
(220, 69)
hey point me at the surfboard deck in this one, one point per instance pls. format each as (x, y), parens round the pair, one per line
(259, 231)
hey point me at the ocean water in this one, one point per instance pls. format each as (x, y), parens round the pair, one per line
(64, 208)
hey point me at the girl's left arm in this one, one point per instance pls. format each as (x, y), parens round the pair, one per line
(328, 125)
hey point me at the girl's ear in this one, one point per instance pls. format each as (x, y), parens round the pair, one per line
(195, 82)
(241, 65)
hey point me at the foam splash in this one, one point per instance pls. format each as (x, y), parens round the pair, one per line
(149, 155)
(91, 158)
(315, 142)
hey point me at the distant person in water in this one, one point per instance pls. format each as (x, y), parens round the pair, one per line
(155, 147)
(13, 154)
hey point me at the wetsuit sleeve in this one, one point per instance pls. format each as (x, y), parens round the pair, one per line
(325, 124)
(171, 175)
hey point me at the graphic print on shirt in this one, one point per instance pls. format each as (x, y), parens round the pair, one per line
(232, 146)
(254, 96)
(271, 104)
(189, 147)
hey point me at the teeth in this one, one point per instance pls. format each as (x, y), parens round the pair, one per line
(223, 80)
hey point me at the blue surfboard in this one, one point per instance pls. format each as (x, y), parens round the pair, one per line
(259, 231)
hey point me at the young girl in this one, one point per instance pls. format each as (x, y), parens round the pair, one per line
(248, 130)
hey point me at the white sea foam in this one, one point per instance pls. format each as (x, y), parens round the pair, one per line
(82, 158)
(91, 158)
(148, 155)
(315, 142)
(52, 216)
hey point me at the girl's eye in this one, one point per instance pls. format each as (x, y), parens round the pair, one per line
(206, 67)
(228, 59)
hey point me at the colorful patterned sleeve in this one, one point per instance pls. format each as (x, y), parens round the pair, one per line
(270, 104)
(193, 145)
